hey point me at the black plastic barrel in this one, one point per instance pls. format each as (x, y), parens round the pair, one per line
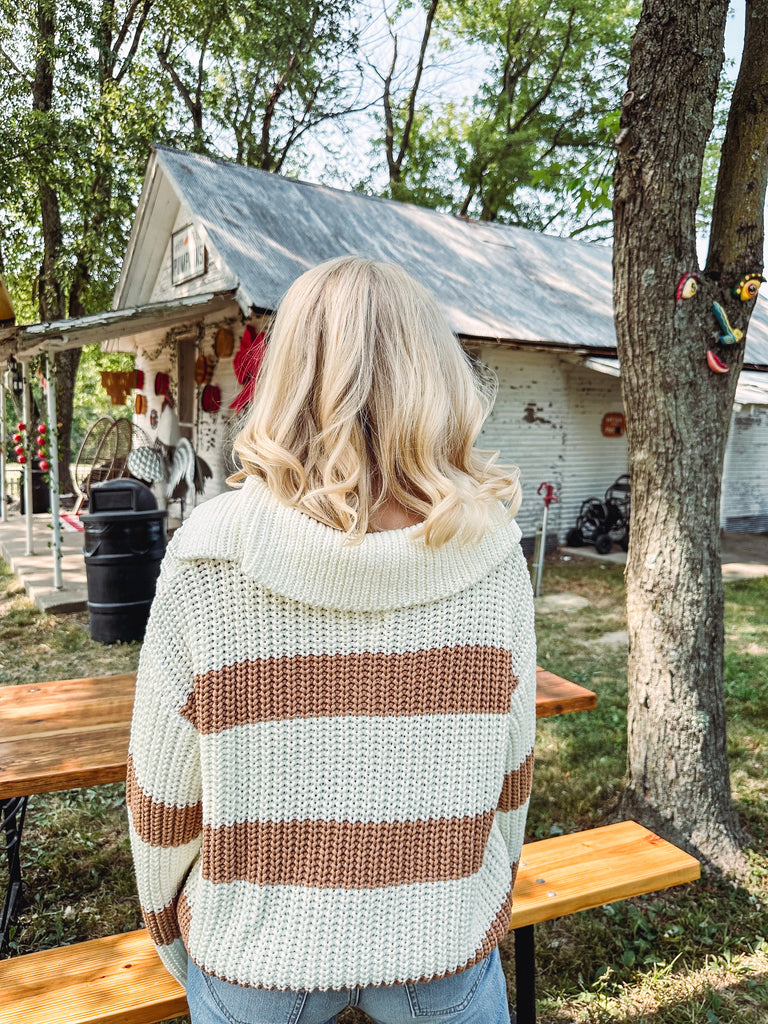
(124, 546)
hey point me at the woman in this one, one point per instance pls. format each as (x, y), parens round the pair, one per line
(332, 741)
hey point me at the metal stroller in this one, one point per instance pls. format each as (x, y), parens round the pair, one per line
(606, 522)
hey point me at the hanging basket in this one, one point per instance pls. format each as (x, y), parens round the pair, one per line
(211, 398)
(203, 370)
(224, 343)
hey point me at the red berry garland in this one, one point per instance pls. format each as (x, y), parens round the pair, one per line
(19, 443)
(42, 447)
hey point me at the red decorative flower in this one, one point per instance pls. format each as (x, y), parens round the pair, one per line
(246, 365)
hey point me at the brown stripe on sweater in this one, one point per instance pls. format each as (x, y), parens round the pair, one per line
(157, 823)
(184, 917)
(162, 925)
(446, 680)
(517, 786)
(345, 854)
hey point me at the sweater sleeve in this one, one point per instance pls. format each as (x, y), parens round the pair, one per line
(164, 792)
(515, 796)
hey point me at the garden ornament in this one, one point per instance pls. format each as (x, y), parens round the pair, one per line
(223, 343)
(688, 285)
(715, 363)
(203, 370)
(748, 287)
(246, 365)
(732, 334)
(211, 398)
(145, 464)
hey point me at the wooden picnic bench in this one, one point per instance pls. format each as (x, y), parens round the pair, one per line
(120, 979)
(70, 733)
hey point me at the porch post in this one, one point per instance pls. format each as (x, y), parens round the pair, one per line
(3, 511)
(27, 413)
(53, 460)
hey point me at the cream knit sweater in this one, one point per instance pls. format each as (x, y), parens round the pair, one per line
(331, 750)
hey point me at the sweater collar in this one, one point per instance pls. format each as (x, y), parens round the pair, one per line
(292, 554)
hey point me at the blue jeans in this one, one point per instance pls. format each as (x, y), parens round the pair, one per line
(475, 996)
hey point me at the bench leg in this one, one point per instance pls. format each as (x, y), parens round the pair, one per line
(12, 811)
(525, 975)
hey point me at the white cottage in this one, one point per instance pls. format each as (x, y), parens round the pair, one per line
(536, 308)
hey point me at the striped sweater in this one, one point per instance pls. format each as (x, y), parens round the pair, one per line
(331, 749)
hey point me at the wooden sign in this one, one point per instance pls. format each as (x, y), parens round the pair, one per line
(188, 256)
(613, 424)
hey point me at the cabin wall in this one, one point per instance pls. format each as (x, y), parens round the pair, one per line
(744, 504)
(210, 433)
(547, 420)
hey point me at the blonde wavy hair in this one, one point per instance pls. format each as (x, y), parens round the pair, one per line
(365, 396)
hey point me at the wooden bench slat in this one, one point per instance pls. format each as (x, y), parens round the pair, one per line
(565, 874)
(22, 703)
(54, 762)
(116, 980)
(558, 696)
(121, 978)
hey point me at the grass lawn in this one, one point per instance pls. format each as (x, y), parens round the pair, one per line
(697, 954)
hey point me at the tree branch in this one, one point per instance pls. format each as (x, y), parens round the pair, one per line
(415, 88)
(163, 55)
(269, 110)
(17, 70)
(550, 84)
(136, 36)
(389, 122)
(737, 233)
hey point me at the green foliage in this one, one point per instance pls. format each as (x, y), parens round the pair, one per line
(251, 78)
(533, 145)
(91, 400)
(85, 144)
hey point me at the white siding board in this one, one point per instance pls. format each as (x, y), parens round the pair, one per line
(527, 426)
(592, 461)
(216, 278)
(744, 505)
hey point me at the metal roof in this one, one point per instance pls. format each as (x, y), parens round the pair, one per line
(493, 281)
(87, 330)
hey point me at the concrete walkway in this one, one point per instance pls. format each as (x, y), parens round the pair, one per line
(36, 571)
(743, 555)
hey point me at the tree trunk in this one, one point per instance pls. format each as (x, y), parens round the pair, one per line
(678, 414)
(50, 294)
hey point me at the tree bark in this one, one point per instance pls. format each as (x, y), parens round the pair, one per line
(678, 415)
(51, 301)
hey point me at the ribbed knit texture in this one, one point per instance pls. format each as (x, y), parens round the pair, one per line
(331, 750)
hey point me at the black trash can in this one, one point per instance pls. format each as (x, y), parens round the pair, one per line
(125, 538)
